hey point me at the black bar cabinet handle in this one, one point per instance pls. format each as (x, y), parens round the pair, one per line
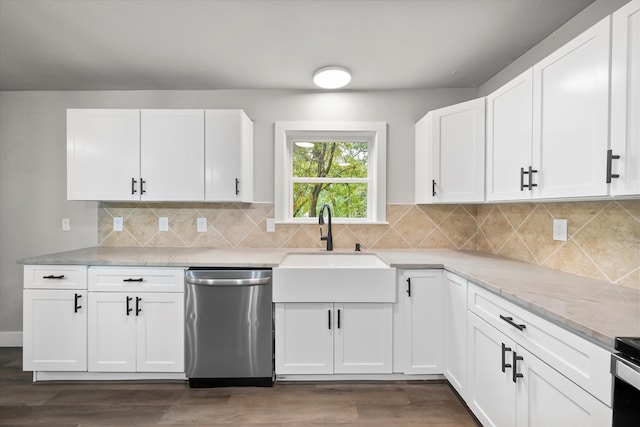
(133, 186)
(338, 318)
(140, 279)
(237, 186)
(610, 158)
(76, 307)
(138, 309)
(329, 311)
(129, 309)
(515, 374)
(531, 172)
(510, 321)
(409, 287)
(142, 183)
(522, 173)
(504, 357)
(433, 187)
(51, 276)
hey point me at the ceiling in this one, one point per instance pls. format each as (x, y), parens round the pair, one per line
(266, 44)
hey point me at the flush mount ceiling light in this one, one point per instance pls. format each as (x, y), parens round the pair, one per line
(331, 77)
(304, 144)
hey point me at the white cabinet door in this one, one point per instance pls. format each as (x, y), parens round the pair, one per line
(458, 147)
(55, 330)
(160, 332)
(112, 332)
(424, 187)
(363, 338)
(103, 154)
(304, 338)
(228, 156)
(625, 100)
(423, 312)
(172, 150)
(455, 331)
(490, 391)
(571, 117)
(545, 398)
(509, 139)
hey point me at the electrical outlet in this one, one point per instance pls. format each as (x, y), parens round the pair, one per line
(118, 223)
(560, 229)
(66, 225)
(201, 225)
(271, 225)
(163, 223)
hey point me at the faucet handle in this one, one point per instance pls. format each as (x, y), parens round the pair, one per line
(321, 236)
(357, 247)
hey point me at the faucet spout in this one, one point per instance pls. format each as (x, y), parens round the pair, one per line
(329, 237)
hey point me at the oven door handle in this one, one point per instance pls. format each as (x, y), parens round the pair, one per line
(625, 370)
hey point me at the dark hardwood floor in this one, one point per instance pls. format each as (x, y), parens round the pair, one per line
(174, 403)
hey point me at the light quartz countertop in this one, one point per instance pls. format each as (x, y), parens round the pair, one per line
(593, 309)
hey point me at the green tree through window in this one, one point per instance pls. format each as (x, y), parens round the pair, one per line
(330, 172)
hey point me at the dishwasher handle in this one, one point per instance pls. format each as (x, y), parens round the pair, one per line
(229, 282)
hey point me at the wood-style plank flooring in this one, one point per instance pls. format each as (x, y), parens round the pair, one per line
(292, 404)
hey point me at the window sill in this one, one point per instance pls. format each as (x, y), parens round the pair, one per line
(333, 222)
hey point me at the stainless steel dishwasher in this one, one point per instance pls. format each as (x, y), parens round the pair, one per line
(229, 327)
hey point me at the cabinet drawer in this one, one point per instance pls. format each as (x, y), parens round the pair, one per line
(583, 362)
(55, 277)
(118, 279)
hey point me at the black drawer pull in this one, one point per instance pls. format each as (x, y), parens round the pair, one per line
(76, 307)
(433, 188)
(338, 319)
(133, 186)
(51, 276)
(504, 357)
(522, 173)
(138, 309)
(237, 186)
(129, 309)
(409, 287)
(329, 319)
(510, 321)
(133, 280)
(142, 183)
(515, 374)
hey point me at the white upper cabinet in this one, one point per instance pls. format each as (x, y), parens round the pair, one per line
(452, 141)
(571, 117)
(509, 139)
(625, 101)
(228, 156)
(171, 151)
(103, 154)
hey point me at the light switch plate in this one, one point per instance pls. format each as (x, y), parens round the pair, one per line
(118, 223)
(271, 225)
(66, 225)
(560, 229)
(163, 223)
(201, 225)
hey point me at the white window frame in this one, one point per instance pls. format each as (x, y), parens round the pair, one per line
(375, 133)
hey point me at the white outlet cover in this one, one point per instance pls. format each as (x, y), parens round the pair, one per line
(560, 229)
(201, 225)
(66, 225)
(118, 223)
(271, 225)
(163, 223)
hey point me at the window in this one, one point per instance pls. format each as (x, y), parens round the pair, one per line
(342, 164)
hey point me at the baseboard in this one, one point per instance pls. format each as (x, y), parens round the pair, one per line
(11, 339)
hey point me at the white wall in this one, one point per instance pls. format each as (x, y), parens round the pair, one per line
(572, 28)
(33, 158)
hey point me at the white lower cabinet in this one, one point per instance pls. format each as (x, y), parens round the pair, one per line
(509, 386)
(455, 331)
(423, 311)
(136, 332)
(55, 330)
(328, 338)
